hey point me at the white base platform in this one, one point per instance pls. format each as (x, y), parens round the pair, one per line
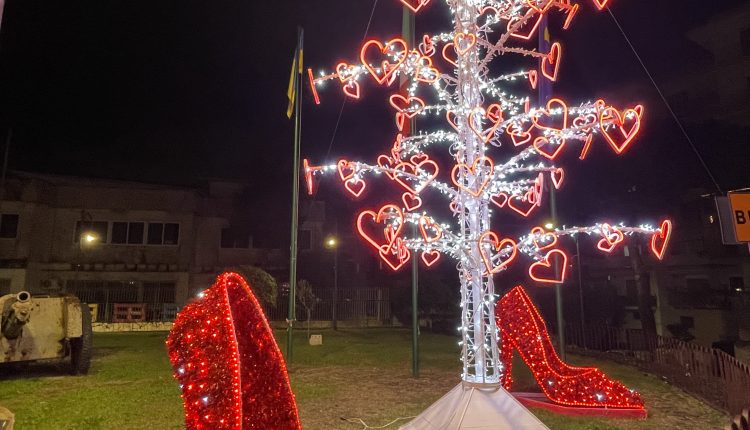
(469, 407)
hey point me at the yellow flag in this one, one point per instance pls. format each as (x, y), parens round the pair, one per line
(291, 92)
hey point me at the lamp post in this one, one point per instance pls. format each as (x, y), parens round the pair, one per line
(333, 244)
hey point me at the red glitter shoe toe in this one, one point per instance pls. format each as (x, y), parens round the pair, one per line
(230, 370)
(521, 327)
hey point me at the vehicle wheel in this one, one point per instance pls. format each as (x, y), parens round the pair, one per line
(80, 347)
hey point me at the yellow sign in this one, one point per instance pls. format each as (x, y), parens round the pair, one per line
(741, 215)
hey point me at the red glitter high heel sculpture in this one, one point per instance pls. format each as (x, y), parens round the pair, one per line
(230, 370)
(521, 327)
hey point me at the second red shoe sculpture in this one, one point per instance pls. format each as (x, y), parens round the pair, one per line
(522, 328)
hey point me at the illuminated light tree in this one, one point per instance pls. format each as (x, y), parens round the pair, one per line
(480, 116)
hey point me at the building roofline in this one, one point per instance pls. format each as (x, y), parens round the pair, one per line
(73, 180)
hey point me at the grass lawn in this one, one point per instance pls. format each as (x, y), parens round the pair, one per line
(356, 373)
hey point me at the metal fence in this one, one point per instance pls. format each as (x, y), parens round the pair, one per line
(126, 301)
(358, 306)
(708, 373)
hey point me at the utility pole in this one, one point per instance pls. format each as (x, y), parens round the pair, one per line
(545, 93)
(292, 315)
(407, 30)
(580, 290)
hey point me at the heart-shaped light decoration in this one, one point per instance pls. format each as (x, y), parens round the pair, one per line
(482, 166)
(542, 271)
(385, 73)
(612, 236)
(660, 239)
(551, 63)
(490, 243)
(411, 201)
(543, 240)
(389, 218)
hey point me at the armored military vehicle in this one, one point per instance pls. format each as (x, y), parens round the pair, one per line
(45, 327)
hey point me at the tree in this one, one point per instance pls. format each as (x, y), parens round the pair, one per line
(480, 117)
(264, 285)
(307, 298)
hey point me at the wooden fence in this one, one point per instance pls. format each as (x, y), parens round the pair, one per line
(708, 373)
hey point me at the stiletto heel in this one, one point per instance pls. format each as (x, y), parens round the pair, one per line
(522, 327)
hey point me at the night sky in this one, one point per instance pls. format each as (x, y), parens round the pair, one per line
(180, 91)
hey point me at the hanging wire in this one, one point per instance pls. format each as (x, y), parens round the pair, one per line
(367, 427)
(343, 103)
(666, 103)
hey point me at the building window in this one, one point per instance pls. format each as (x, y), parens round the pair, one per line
(687, 322)
(163, 233)
(98, 228)
(9, 226)
(745, 41)
(737, 284)
(127, 233)
(231, 238)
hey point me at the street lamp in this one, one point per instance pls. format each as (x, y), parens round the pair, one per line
(89, 238)
(332, 243)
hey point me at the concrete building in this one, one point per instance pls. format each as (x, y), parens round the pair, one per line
(115, 242)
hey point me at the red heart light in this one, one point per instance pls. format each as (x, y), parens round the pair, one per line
(542, 271)
(355, 186)
(543, 240)
(533, 78)
(519, 136)
(451, 117)
(612, 236)
(351, 90)
(463, 42)
(411, 201)
(428, 166)
(410, 106)
(346, 170)
(513, 203)
(425, 72)
(481, 164)
(626, 126)
(415, 5)
(387, 70)
(496, 245)
(540, 6)
(448, 53)
(525, 30)
(386, 162)
(495, 116)
(427, 47)
(660, 239)
(430, 257)
(383, 216)
(586, 147)
(601, 4)
(546, 148)
(426, 223)
(557, 176)
(551, 63)
(547, 115)
(499, 199)
(569, 17)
